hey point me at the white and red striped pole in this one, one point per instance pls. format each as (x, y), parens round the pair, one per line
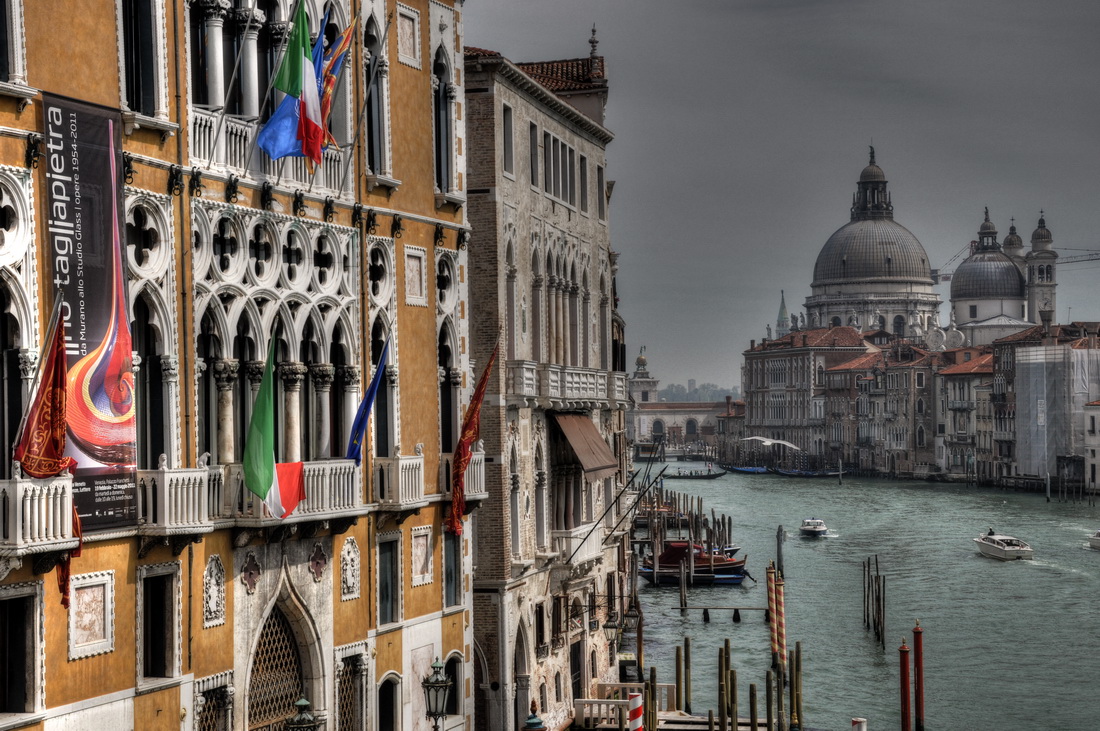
(859, 724)
(780, 621)
(772, 622)
(634, 707)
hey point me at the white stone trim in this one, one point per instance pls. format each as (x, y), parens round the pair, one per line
(135, 120)
(411, 16)
(399, 583)
(416, 288)
(350, 570)
(36, 648)
(213, 592)
(173, 569)
(106, 613)
(422, 534)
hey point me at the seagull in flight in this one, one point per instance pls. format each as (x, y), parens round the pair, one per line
(768, 442)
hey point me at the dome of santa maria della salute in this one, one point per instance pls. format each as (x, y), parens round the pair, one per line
(873, 273)
(872, 249)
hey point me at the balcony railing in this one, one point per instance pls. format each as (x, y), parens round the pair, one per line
(475, 474)
(963, 405)
(578, 545)
(522, 379)
(37, 515)
(332, 489)
(1004, 436)
(616, 386)
(399, 482)
(175, 501)
(230, 148)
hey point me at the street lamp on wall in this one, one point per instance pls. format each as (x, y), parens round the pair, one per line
(437, 687)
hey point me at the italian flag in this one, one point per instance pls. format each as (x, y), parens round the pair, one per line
(279, 485)
(297, 77)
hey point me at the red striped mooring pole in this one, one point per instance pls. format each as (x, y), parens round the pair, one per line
(634, 706)
(906, 718)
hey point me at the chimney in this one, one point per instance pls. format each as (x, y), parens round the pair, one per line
(729, 403)
(752, 345)
(1092, 338)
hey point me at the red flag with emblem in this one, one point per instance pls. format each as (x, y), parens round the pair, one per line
(40, 449)
(471, 425)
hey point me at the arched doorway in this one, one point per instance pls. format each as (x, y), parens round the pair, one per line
(522, 682)
(276, 680)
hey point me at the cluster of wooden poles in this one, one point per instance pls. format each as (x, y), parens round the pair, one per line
(874, 601)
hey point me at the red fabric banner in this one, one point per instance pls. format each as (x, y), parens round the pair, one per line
(40, 450)
(471, 425)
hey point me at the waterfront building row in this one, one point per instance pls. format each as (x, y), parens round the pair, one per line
(191, 606)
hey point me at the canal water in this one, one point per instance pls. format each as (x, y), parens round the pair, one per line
(1006, 645)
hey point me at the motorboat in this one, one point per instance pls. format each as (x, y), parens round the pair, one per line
(1002, 547)
(1094, 539)
(813, 528)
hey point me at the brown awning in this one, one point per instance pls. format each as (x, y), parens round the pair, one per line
(595, 456)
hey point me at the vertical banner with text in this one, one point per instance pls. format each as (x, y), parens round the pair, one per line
(84, 216)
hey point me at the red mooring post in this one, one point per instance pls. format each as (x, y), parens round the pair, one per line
(906, 717)
(918, 677)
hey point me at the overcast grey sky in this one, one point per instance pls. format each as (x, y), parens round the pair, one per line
(741, 129)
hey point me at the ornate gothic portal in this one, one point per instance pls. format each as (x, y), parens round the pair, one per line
(276, 680)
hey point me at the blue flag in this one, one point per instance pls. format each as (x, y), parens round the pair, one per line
(279, 137)
(359, 426)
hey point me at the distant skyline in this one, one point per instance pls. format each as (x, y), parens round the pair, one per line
(741, 129)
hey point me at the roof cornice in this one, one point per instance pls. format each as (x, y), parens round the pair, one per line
(510, 72)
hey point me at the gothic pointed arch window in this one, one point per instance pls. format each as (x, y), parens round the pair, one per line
(11, 382)
(375, 112)
(208, 351)
(383, 414)
(148, 388)
(442, 95)
(276, 680)
(449, 382)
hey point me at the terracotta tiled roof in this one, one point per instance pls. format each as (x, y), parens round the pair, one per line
(1093, 403)
(826, 337)
(860, 363)
(474, 52)
(981, 364)
(1032, 333)
(575, 74)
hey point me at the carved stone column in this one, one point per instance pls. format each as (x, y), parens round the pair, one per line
(559, 297)
(323, 375)
(254, 370)
(292, 374)
(170, 388)
(214, 20)
(350, 376)
(28, 367)
(551, 318)
(250, 20)
(225, 377)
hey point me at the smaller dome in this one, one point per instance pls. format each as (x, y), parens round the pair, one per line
(1042, 235)
(872, 174)
(1013, 240)
(987, 275)
(641, 362)
(987, 227)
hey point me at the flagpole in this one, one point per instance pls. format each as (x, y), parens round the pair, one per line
(374, 63)
(267, 95)
(343, 66)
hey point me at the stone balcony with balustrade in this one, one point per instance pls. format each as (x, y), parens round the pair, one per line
(580, 545)
(552, 386)
(476, 490)
(227, 150)
(399, 484)
(36, 516)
